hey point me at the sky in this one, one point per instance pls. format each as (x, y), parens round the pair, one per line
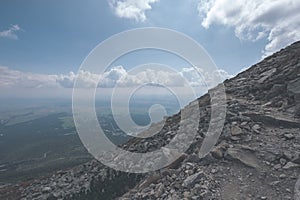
(43, 43)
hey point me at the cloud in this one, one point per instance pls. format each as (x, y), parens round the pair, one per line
(276, 21)
(11, 32)
(131, 9)
(12, 78)
(116, 76)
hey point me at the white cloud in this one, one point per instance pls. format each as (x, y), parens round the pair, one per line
(131, 9)
(12, 78)
(86, 79)
(116, 76)
(11, 32)
(277, 21)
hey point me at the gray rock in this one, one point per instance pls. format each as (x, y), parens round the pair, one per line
(277, 90)
(291, 165)
(235, 130)
(297, 190)
(190, 181)
(289, 136)
(266, 75)
(294, 86)
(256, 128)
(296, 159)
(217, 153)
(245, 157)
(282, 161)
(46, 190)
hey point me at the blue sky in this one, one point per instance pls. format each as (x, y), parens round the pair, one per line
(41, 38)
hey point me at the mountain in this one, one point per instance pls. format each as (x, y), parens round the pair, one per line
(257, 155)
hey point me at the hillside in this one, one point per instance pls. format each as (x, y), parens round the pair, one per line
(256, 157)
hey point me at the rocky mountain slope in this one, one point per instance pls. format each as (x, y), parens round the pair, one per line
(256, 157)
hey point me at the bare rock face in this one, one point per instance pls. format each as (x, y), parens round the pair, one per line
(256, 157)
(297, 190)
(294, 89)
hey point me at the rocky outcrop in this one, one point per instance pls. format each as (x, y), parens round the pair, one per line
(256, 157)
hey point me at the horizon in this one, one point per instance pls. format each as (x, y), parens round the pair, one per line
(41, 56)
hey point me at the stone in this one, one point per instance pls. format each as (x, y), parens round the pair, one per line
(293, 87)
(296, 158)
(186, 194)
(264, 76)
(207, 159)
(193, 158)
(190, 181)
(160, 190)
(282, 161)
(244, 123)
(217, 153)
(282, 176)
(236, 131)
(51, 197)
(149, 181)
(290, 165)
(276, 90)
(287, 155)
(235, 138)
(256, 128)
(289, 136)
(294, 90)
(46, 190)
(272, 153)
(278, 166)
(245, 157)
(297, 190)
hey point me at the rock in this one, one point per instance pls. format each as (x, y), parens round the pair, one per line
(186, 194)
(51, 197)
(282, 176)
(46, 190)
(190, 181)
(244, 124)
(297, 190)
(276, 90)
(207, 160)
(149, 181)
(290, 165)
(160, 190)
(264, 76)
(296, 159)
(34, 195)
(287, 155)
(294, 90)
(217, 153)
(193, 158)
(235, 138)
(293, 87)
(289, 136)
(297, 109)
(245, 157)
(282, 161)
(236, 131)
(278, 166)
(273, 121)
(272, 153)
(256, 128)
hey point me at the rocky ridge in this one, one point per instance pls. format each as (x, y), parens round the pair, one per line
(256, 157)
